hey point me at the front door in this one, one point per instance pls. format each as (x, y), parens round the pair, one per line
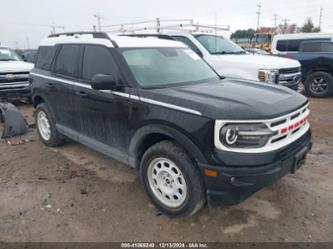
(102, 114)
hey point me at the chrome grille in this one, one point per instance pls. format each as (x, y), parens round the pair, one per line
(290, 76)
(14, 80)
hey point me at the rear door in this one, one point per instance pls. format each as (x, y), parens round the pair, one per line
(64, 75)
(102, 114)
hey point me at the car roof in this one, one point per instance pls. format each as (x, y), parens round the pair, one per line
(108, 40)
(303, 36)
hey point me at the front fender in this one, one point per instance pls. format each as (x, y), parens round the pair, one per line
(147, 130)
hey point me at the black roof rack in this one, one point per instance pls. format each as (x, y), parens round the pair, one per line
(98, 35)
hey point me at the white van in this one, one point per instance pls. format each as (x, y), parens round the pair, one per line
(289, 43)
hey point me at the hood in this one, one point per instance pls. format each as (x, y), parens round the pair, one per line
(15, 66)
(231, 99)
(258, 61)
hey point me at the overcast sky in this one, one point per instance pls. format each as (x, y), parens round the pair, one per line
(21, 21)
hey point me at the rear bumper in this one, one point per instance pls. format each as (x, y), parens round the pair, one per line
(234, 184)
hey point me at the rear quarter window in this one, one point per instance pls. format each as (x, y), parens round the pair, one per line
(45, 57)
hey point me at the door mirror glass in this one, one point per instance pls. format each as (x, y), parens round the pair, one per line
(104, 82)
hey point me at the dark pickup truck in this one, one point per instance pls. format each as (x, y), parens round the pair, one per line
(316, 58)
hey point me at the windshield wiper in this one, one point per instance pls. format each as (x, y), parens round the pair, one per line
(7, 60)
(229, 52)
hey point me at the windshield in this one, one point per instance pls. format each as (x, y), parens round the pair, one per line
(7, 54)
(263, 38)
(219, 45)
(161, 67)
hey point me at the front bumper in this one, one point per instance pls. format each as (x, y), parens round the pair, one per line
(234, 184)
(15, 92)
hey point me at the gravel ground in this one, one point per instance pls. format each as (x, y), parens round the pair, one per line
(72, 193)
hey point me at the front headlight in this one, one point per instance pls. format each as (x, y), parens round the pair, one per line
(249, 135)
(269, 76)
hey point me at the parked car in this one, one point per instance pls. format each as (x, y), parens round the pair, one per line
(290, 43)
(316, 58)
(14, 75)
(230, 60)
(30, 56)
(155, 105)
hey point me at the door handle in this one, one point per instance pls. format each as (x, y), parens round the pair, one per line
(50, 85)
(81, 94)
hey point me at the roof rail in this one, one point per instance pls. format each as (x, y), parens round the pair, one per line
(97, 35)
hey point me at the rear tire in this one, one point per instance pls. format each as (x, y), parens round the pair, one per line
(319, 84)
(46, 126)
(171, 180)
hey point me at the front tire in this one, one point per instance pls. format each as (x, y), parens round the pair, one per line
(319, 84)
(171, 180)
(46, 126)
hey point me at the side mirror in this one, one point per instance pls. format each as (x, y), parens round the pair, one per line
(104, 82)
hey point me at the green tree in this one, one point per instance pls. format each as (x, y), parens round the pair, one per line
(308, 26)
(244, 33)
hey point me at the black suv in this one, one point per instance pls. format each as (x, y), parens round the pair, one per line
(157, 106)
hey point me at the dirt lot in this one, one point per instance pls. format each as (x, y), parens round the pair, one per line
(75, 194)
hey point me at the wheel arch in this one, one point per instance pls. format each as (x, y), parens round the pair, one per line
(36, 100)
(320, 68)
(150, 134)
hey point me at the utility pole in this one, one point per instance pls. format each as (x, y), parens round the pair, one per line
(320, 17)
(258, 13)
(99, 18)
(285, 25)
(28, 42)
(275, 19)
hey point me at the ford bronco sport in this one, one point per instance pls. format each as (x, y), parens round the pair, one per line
(157, 106)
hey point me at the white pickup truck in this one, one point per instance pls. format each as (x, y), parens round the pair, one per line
(14, 75)
(230, 60)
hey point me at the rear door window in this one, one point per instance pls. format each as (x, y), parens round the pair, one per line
(311, 47)
(67, 60)
(327, 47)
(97, 60)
